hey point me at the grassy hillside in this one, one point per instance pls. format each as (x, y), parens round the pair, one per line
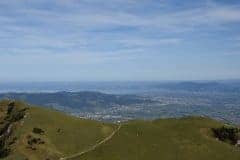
(168, 139)
(63, 135)
(45, 134)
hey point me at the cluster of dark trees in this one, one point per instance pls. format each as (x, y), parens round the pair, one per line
(38, 131)
(13, 115)
(4, 151)
(33, 140)
(227, 134)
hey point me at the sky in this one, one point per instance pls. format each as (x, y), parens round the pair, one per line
(119, 40)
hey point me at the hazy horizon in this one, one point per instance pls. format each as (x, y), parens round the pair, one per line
(121, 81)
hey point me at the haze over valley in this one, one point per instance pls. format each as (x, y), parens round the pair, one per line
(114, 101)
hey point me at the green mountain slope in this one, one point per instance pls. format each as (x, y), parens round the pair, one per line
(169, 139)
(42, 134)
(63, 135)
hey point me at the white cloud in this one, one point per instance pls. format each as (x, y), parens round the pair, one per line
(45, 30)
(89, 17)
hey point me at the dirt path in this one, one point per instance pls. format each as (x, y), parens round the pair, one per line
(93, 147)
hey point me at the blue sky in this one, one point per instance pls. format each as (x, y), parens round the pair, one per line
(94, 40)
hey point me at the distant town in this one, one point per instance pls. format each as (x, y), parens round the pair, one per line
(125, 101)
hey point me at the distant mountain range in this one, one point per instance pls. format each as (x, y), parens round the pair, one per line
(131, 100)
(201, 86)
(122, 87)
(88, 101)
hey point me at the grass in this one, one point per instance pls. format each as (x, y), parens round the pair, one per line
(164, 139)
(64, 135)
